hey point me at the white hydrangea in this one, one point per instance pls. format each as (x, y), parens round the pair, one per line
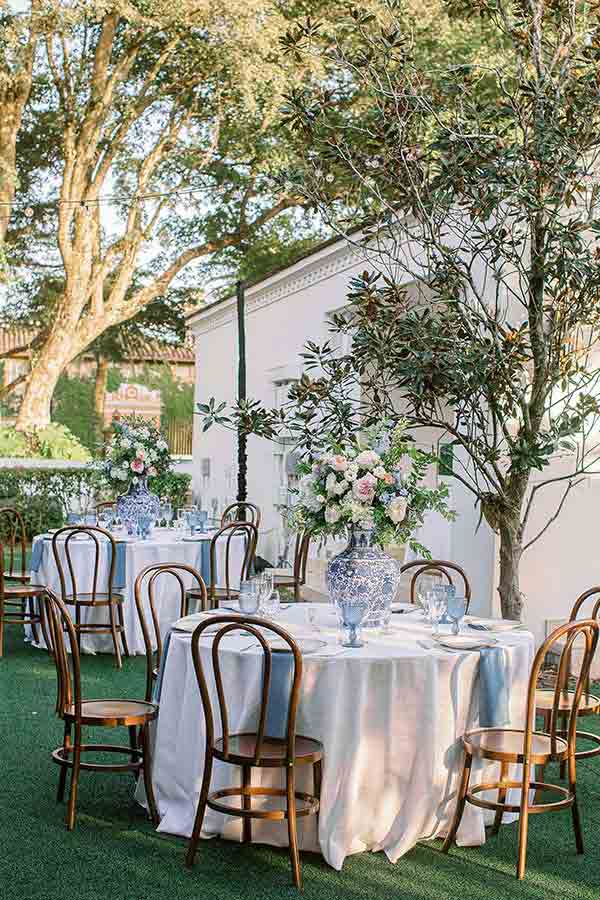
(125, 443)
(331, 484)
(351, 473)
(162, 446)
(368, 459)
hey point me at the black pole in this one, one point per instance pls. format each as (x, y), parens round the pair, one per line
(242, 486)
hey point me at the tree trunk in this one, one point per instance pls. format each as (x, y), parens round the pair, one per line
(101, 381)
(511, 549)
(35, 410)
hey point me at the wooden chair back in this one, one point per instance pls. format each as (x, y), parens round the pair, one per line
(145, 589)
(582, 601)
(104, 504)
(14, 537)
(241, 511)
(440, 568)
(65, 652)
(301, 548)
(228, 532)
(256, 628)
(98, 536)
(585, 630)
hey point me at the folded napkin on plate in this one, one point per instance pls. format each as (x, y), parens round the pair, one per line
(494, 681)
(37, 554)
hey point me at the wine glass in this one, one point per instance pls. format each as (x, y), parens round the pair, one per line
(457, 608)
(180, 525)
(437, 600)
(105, 518)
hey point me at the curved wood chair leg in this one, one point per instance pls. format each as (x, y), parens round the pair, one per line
(195, 836)
(33, 616)
(501, 798)
(147, 768)
(247, 803)
(290, 784)
(122, 631)
(317, 778)
(133, 743)
(62, 777)
(44, 625)
(70, 820)
(114, 633)
(541, 776)
(523, 826)
(460, 803)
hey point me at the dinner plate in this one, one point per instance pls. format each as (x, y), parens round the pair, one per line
(305, 645)
(191, 538)
(405, 607)
(464, 641)
(492, 624)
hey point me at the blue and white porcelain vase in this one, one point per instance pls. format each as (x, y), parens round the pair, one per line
(138, 502)
(364, 573)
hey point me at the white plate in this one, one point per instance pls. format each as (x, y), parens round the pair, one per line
(195, 537)
(405, 607)
(464, 641)
(493, 624)
(305, 645)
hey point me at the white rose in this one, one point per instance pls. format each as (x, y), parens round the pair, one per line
(125, 443)
(351, 473)
(379, 472)
(396, 510)
(331, 484)
(368, 459)
(342, 487)
(332, 514)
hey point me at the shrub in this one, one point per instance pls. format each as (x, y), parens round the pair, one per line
(43, 495)
(52, 442)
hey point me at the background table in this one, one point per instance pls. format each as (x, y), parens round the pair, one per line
(162, 548)
(390, 717)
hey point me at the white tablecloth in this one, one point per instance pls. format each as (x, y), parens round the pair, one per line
(162, 548)
(389, 716)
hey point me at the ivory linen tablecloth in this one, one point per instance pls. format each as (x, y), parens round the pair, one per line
(162, 548)
(390, 717)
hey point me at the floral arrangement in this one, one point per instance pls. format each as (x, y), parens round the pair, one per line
(136, 450)
(376, 481)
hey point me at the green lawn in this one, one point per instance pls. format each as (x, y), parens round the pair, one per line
(114, 853)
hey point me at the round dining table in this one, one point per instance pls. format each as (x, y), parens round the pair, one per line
(133, 555)
(390, 716)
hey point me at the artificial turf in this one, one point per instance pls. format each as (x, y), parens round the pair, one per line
(114, 852)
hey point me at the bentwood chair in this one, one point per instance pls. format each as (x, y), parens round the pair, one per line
(438, 568)
(220, 581)
(145, 597)
(78, 713)
(106, 598)
(241, 511)
(20, 605)
(530, 748)
(590, 703)
(250, 750)
(297, 577)
(13, 535)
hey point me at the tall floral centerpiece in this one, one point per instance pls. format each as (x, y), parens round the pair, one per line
(373, 490)
(136, 452)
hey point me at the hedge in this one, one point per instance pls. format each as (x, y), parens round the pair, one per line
(42, 495)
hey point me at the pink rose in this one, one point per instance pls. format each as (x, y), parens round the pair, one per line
(363, 488)
(141, 454)
(152, 472)
(138, 466)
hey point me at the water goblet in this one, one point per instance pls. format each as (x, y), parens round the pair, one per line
(437, 600)
(271, 605)
(312, 617)
(179, 525)
(145, 526)
(457, 607)
(249, 597)
(353, 612)
(105, 518)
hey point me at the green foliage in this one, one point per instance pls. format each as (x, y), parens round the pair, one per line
(177, 397)
(52, 442)
(73, 407)
(174, 485)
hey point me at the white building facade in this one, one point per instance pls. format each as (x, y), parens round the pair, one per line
(283, 312)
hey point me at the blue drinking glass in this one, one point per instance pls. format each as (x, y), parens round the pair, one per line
(352, 612)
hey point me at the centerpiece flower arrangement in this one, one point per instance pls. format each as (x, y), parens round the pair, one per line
(137, 450)
(375, 482)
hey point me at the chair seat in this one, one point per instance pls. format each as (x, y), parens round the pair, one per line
(284, 579)
(21, 577)
(97, 599)
(113, 713)
(544, 701)
(22, 591)
(242, 747)
(506, 745)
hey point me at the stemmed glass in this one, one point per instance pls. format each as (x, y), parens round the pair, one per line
(180, 524)
(106, 518)
(271, 605)
(437, 600)
(457, 607)
(249, 596)
(353, 611)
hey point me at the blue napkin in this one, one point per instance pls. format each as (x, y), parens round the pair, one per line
(120, 566)
(37, 554)
(203, 563)
(494, 680)
(278, 701)
(161, 669)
